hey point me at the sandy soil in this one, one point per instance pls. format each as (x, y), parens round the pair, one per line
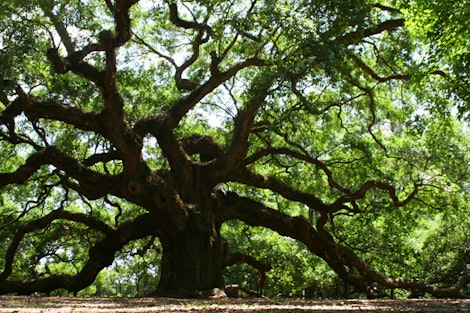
(17, 304)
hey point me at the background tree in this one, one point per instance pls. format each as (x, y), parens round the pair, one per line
(134, 127)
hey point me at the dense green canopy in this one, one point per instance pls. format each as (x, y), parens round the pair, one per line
(176, 147)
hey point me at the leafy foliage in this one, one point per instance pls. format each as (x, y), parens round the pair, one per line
(326, 139)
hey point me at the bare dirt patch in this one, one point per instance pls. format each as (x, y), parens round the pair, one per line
(18, 304)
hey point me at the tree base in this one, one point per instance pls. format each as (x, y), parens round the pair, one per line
(180, 293)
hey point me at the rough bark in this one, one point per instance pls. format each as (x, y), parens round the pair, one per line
(192, 262)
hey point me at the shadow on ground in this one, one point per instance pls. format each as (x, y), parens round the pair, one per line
(19, 304)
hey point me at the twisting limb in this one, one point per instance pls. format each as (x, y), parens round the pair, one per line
(187, 84)
(60, 28)
(364, 67)
(177, 21)
(203, 34)
(122, 20)
(111, 121)
(182, 106)
(243, 125)
(362, 191)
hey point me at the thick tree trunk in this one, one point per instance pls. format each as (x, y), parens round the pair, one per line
(193, 260)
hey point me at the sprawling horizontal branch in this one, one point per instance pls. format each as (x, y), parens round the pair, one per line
(33, 163)
(36, 109)
(100, 256)
(79, 118)
(362, 191)
(251, 178)
(43, 222)
(300, 156)
(387, 8)
(101, 157)
(92, 184)
(350, 196)
(357, 36)
(341, 259)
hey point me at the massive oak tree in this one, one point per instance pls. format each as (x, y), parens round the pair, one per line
(129, 120)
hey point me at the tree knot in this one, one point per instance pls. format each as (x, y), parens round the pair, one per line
(135, 188)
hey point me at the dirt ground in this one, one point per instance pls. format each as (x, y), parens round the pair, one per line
(18, 304)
